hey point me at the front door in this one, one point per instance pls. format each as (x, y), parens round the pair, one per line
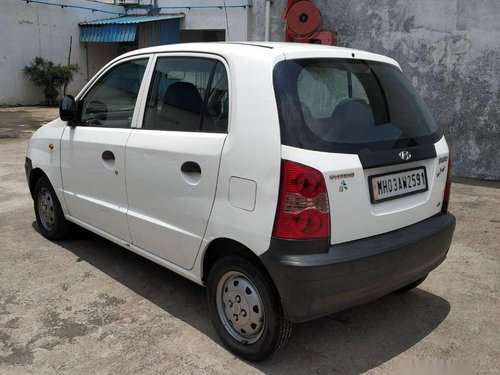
(93, 152)
(173, 161)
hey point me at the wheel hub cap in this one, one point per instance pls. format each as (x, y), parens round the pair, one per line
(240, 307)
(46, 209)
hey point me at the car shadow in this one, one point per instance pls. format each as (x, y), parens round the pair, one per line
(348, 342)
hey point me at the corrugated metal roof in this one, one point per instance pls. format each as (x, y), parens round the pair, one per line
(107, 33)
(121, 29)
(132, 20)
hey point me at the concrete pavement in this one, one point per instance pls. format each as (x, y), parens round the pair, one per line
(88, 306)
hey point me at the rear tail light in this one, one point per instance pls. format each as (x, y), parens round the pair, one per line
(303, 211)
(447, 189)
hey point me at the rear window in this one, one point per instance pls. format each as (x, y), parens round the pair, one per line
(349, 106)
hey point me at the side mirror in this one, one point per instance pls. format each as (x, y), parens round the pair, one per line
(67, 109)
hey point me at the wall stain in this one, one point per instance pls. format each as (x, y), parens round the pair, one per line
(455, 64)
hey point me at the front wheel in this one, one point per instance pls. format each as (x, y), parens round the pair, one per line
(245, 309)
(49, 216)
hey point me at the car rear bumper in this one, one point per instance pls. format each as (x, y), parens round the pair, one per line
(315, 284)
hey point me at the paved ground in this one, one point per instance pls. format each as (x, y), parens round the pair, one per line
(87, 306)
(17, 121)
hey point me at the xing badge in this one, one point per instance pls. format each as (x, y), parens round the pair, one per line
(343, 186)
(341, 176)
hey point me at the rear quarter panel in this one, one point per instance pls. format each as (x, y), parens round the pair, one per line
(252, 152)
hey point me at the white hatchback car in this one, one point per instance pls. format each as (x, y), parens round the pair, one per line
(292, 180)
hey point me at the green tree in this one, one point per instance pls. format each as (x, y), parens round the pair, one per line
(50, 76)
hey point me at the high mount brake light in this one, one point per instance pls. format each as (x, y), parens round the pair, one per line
(303, 210)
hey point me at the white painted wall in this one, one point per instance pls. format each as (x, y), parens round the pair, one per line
(209, 19)
(31, 30)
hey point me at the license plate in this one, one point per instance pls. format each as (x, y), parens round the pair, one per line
(396, 185)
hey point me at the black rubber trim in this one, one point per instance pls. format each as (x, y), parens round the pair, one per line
(348, 274)
(300, 247)
(28, 167)
(391, 157)
(376, 245)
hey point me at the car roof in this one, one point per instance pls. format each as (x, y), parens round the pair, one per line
(265, 50)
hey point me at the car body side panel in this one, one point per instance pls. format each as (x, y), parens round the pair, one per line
(94, 188)
(49, 160)
(251, 152)
(169, 209)
(190, 275)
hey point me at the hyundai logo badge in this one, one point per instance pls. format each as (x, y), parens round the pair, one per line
(405, 155)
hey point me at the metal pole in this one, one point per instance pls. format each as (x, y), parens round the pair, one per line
(87, 60)
(70, 44)
(268, 15)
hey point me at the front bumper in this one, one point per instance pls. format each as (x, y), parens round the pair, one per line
(312, 285)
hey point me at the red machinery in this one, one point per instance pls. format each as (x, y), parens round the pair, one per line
(303, 24)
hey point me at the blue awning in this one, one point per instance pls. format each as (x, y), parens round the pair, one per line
(121, 29)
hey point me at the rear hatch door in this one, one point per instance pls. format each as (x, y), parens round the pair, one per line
(362, 124)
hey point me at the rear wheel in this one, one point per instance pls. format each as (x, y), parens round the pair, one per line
(411, 286)
(245, 309)
(49, 216)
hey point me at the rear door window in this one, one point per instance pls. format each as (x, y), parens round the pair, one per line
(187, 94)
(348, 106)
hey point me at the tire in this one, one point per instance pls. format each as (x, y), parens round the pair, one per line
(48, 212)
(236, 285)
(411, 286)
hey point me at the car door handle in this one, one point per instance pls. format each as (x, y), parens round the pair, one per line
(108, 155)
(190, 167)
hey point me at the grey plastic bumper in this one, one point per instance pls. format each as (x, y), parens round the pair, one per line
(312, 285)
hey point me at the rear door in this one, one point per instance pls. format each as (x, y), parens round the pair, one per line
(364, 127)
(173, 160)
(93, 152)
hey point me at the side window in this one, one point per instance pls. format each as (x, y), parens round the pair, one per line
(182, 89)
(217, 102)
(111, 101)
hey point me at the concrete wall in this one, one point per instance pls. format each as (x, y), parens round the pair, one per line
(450, 50)
(30, 30)
(213, 18)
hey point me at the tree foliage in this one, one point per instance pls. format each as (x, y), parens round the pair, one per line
(50, 76)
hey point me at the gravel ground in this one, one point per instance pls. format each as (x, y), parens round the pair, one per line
(88, 306)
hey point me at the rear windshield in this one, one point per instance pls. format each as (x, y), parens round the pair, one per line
(349, 106)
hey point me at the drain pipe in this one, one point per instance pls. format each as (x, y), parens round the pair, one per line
(268, 16)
